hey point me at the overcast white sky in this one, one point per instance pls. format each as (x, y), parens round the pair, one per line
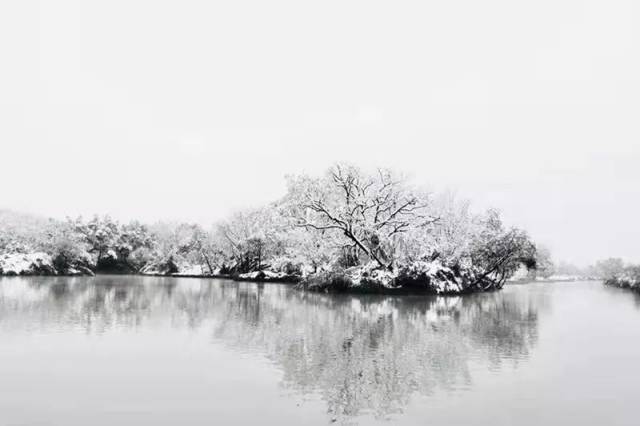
(191, 109)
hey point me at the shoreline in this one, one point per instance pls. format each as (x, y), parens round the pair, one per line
(297, 284)
(301, 284)
(284, 280)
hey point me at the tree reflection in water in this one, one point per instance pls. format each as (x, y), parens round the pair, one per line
(371, 354)
(360, 354)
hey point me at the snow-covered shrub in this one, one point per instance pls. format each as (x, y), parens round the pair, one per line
(629, 278)
(37, 263)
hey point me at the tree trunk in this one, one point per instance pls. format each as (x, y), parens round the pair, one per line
(206, 259)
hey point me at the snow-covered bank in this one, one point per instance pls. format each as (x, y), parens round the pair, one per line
(267, 276)
(187, 270)
(170, 268)
(565, 278)
(629, 279)
(418, 278)
(558, 278)
(41, 263)
(36, 263)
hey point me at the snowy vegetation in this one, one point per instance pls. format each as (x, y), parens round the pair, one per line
(347, 230)
(618, 274)
(384, 235)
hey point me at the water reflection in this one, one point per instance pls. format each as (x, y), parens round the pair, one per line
(361, 355)
(370, 354)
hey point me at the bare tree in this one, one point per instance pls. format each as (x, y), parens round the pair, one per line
(372, 211)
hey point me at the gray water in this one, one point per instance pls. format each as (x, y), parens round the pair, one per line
(137, 351)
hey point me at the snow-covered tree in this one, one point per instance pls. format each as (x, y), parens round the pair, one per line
(545, 267)
(133, 244)
(114, 246)
(379, 219)
(101, 234)
(609, 268)
(251, 239)
(369, 212)
(448, 239)
(498, 251)
(20, 232)
(67, 246)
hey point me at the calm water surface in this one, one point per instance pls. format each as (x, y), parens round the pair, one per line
(162, 351)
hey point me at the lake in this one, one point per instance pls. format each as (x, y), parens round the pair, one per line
(130, 350)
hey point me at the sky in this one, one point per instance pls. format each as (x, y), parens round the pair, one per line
(190, 110)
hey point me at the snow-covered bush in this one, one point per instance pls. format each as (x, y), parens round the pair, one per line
(26, 264)
(628, 277)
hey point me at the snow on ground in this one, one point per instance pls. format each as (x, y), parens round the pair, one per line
(26, 264)
(562, 277)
